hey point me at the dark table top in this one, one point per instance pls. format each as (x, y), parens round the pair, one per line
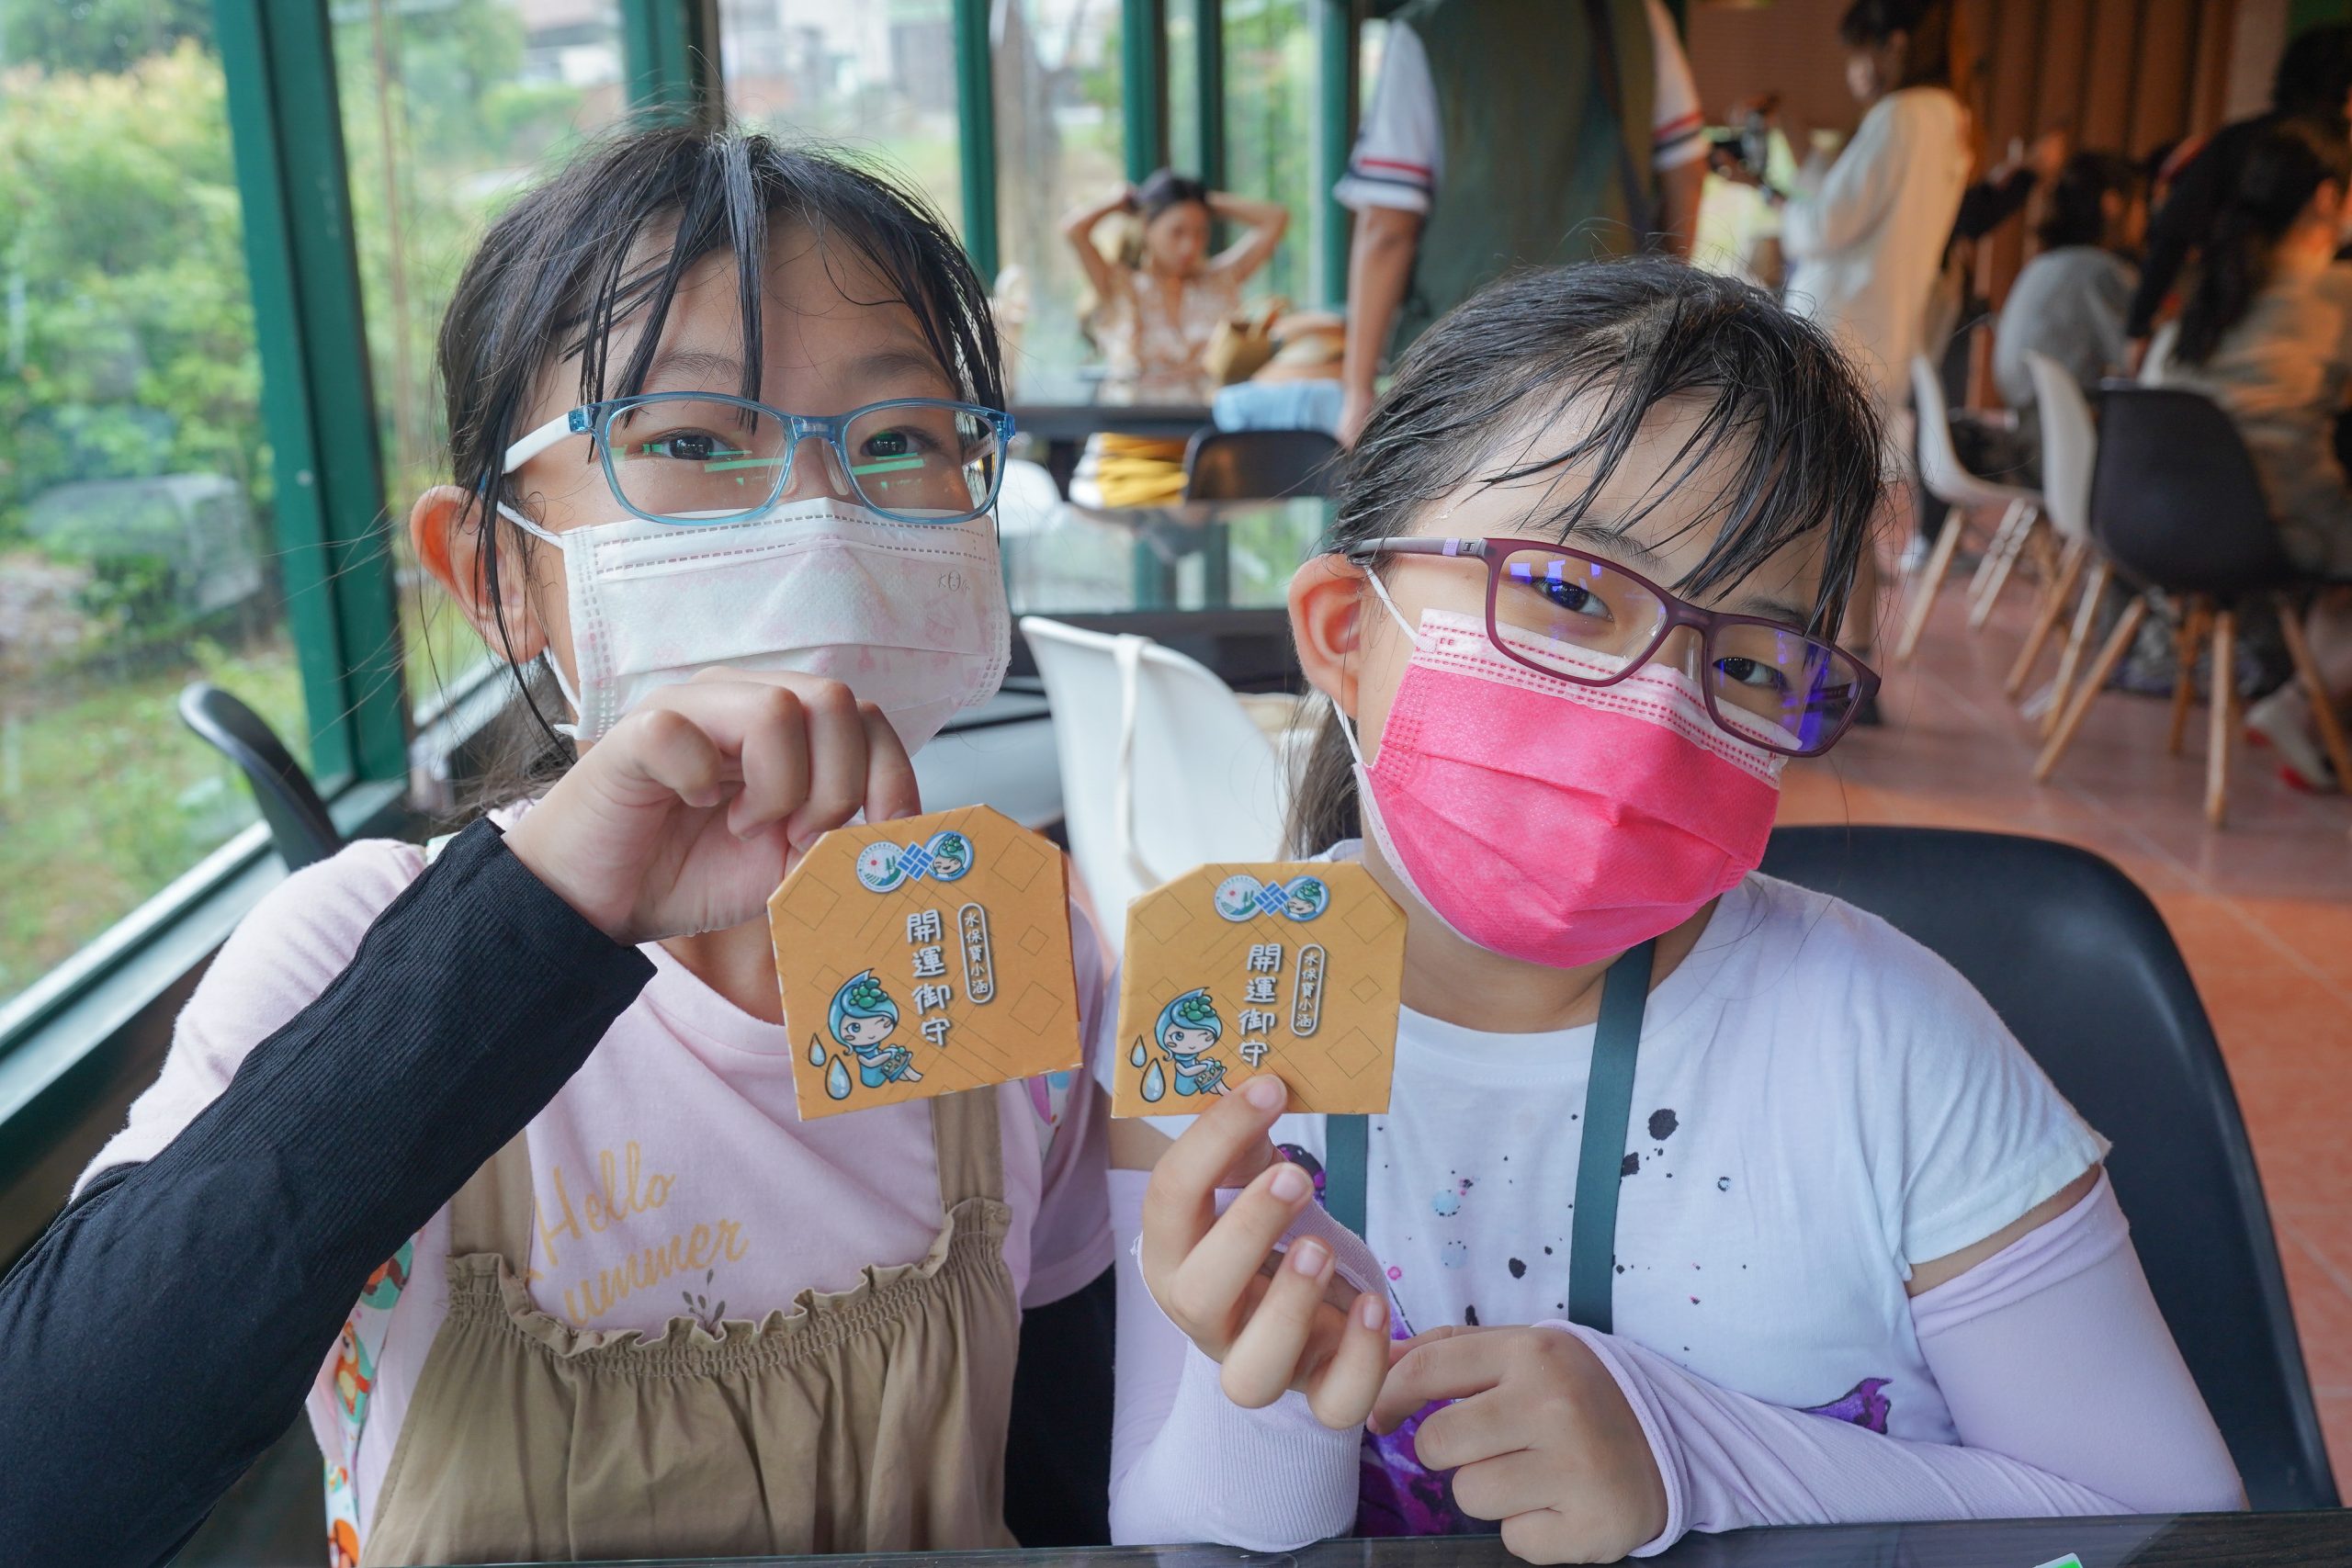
(1072, 405)
(2205, 1540)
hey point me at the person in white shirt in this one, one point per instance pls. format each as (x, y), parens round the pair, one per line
(1866, 238)
(1537, 168)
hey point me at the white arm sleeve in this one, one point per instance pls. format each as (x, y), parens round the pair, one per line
(2068, 1393)
(1189, 1464)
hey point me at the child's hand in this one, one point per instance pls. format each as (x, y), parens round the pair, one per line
(1542, 1439)
(686, 817)
(1262, 1314)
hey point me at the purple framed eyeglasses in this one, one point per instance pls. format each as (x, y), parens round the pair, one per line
(1592, 621)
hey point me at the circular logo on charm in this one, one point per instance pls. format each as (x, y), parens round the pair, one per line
(1236, 898)
(877, 868)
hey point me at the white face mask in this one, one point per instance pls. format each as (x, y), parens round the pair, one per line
(911, 617)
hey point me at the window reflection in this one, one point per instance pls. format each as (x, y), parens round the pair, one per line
(136, 548)
(449, 108)
(1059, 141)
(876, 80)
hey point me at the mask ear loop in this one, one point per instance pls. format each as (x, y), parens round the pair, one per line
(1347, 725)
(546, 655)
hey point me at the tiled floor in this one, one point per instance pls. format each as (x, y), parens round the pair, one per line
(2262, 909)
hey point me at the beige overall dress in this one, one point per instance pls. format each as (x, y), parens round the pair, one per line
(871, 1419)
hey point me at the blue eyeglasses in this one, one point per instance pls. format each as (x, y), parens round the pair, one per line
(696, 457)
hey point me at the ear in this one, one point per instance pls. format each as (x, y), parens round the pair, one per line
(1327, 598)
(446, 530)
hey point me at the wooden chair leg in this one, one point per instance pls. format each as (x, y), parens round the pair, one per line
(2093, 683)
(2070, 657)
(2331, 730)
(1931, 576)
(1983, 572)
(2005, 560)
(2045, 620)
(2226, 693)
(2184, 679)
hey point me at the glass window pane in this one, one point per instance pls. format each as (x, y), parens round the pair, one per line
(136, 546)
(1185, 153)
(1270, 130)
(878, 80)
(449, 106)
(1059, 141)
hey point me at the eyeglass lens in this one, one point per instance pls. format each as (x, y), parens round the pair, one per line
(1588, 621)
(692, 457)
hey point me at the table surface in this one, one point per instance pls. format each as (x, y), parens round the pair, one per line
(1069, 405)
(1235, 555)
(2206, 1540)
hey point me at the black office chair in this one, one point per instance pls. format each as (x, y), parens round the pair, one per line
(298, 823)
(1257, 465)
(2177, 510)
(2079, 965)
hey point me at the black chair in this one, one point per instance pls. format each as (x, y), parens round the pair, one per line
(2178, 511)
(2079, 965)
(1257, 465)
(298, 823)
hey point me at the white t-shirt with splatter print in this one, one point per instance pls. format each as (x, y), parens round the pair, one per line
(1819, 1103)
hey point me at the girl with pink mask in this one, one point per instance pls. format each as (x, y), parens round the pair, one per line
(1702, 1200)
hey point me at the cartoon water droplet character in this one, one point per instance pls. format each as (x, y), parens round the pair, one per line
(1155, 1084)
(837, 1080)
(861, 1019)
(1188, 1030)
(951, 856)
(815, 1051)
(1136, 1055)
(1307, 899)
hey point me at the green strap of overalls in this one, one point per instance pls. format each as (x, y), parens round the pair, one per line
(1608, 1114)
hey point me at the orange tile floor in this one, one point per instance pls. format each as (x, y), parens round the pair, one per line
(2261, 907)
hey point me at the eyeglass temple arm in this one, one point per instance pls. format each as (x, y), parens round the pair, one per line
(547, 435)
(1412, 545)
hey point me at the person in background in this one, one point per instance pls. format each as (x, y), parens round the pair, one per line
(1158, 304)
(2266, 334)
(1506, 133)
(2313, 82)
(1156, 307)
(1865, 239)
(2069, 301)
(1867, 1266)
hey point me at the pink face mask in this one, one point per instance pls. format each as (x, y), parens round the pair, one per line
(1555, 823)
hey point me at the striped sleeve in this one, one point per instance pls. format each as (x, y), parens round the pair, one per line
(1678, 125)
(1397, 156)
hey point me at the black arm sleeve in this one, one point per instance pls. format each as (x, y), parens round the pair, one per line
(165, 1330)
(2178, 226)
(1985, 206)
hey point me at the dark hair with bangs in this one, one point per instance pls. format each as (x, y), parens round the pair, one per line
(1796, 437)
(1926, 29)
(2077, 210)
(553, 278)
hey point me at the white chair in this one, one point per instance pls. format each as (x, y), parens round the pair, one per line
(1951, 482)
(1162, 768)
(1027, 502)
(2069, 451)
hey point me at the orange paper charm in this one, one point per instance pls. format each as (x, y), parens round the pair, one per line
(1234, 970)
(922, 956)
